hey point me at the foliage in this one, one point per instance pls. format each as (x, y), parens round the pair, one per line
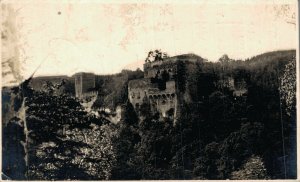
(252, 169)
(156, 55)
(124, 143)
(288, 86)
(98, 157)
(153, 151)
(13, 160)
(181, 76)
(64, 141)
(112, 89)
(219, 135)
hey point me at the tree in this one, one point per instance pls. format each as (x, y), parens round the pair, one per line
(13, 160)
(153, 152)
(156, 55)
(287, 90)
(181, 76)
(253, 168)
(205, 166)
(98, 156)
(288, 87)
(64, 141)
(124, 142)
(224, 59)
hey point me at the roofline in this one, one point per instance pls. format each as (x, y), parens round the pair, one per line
(81, 73)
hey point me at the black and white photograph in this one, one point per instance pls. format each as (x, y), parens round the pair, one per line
(149, 90)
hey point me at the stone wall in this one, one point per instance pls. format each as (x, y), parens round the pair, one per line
(138, 90)
(162, 100)
(84, 83)
(136, 96)
(157, 68)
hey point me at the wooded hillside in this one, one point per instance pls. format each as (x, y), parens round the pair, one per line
(221, 135)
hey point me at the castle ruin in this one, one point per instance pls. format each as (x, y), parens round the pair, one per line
(84, 85)
(160, 86)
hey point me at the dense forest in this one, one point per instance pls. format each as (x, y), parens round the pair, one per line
(47, 135)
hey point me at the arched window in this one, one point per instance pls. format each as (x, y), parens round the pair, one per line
(137, 106)
(170, 112)
(138, 95)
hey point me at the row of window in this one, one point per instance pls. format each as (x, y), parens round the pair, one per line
(162, 96)
(163, 101)
(137, 95)
(170, 71)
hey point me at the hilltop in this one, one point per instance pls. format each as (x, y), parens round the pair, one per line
(236, 121)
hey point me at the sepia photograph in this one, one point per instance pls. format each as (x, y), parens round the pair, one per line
(149, 90)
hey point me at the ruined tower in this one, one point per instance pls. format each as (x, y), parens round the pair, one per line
(84, 84)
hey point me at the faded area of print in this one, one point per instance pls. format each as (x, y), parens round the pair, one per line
(149, 91)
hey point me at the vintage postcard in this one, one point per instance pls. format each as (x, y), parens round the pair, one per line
(149, 90)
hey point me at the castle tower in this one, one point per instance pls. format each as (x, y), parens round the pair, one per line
(84, 83)
(160, 85)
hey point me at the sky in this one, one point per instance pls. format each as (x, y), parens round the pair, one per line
(104, 38)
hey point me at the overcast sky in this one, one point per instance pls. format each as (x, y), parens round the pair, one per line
(104, 38)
